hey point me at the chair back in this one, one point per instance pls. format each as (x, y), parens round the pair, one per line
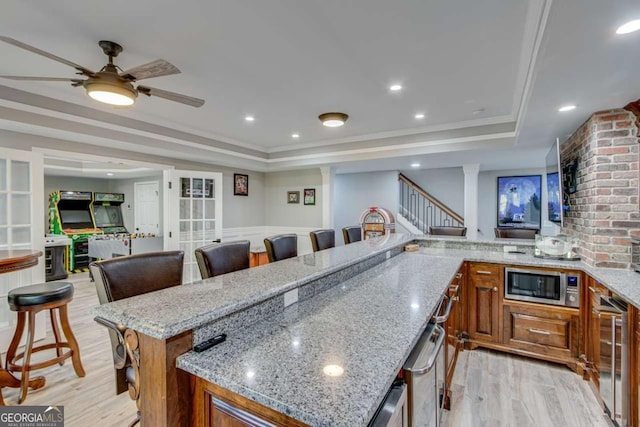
(128, 276)
(352, 234)
(516, 233)
(125, 277)
(281, 247)
(448, 231)
(222, 258)
(322, 239)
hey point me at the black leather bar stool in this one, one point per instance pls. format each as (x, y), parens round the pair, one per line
(322, 239)
(352, 234)
(33, 299)
(281, 247)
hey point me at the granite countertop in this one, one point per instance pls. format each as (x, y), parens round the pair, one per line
(367, 325)
(171, 311)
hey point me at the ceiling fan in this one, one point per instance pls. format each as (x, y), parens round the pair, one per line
(111, 85)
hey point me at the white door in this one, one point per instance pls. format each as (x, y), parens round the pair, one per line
(147, 207)
(22, 219)
(194, 219)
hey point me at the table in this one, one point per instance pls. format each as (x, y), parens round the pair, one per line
(258, 256)
(14, 260)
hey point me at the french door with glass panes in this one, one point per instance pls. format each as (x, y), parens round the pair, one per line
(194, 215)
(22, 219)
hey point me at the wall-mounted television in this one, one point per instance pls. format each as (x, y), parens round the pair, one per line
(555, 195)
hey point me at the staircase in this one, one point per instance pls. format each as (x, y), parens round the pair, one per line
(423, 210)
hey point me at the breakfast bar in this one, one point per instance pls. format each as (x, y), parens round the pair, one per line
(317, 339)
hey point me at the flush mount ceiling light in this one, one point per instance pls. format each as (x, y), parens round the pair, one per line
(566, 108)
(333, 120)
(629, 27)
(395, 88)
(249, 118)
(419, 116)
(295, 135)
(415, 165)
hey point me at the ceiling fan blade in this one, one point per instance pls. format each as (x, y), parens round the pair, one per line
(25, 46)
(42, 79)
(157, 68)
(172, 96)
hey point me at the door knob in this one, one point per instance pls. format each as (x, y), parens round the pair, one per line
(495, 289)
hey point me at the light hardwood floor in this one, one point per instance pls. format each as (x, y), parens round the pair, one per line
(490, 388)
(88, 401)
(497, 389)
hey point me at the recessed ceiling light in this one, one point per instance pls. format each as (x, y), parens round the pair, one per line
(566, 108)
(251, 374)
(414, 305)
(109, 174)
(395, 88)
(249, 118)
(295, 135)
(333, 120)
(415, 165)
(419, 116)
(629, 27)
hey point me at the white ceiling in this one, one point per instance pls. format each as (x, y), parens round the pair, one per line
(286, 61)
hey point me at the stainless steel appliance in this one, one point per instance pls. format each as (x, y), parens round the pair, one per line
(394, 410)
(614, 355)
(546, 287)
(422, 372)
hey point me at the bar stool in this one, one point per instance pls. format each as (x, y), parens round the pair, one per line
(33, 299)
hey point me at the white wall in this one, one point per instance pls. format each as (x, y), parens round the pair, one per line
(445, 184)
(243, 211)
(356, 192)
(280, 213)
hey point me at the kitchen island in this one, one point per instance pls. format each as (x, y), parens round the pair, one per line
(361, 309)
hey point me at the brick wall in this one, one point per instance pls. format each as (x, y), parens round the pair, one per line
(604, 210)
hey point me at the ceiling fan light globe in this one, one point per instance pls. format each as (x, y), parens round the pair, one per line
(110, 94)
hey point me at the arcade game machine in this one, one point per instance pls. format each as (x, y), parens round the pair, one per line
(70, 214)
(116, 240)
(108, 213)
(377, 222)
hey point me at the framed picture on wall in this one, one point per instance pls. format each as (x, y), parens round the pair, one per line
(309, 196)
(519, 201)
(240, 184)
(293, 197)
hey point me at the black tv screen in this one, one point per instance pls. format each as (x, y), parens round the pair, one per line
(76, 219)
(554, 184)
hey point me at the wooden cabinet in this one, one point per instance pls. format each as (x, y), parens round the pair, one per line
(550, 332)
(215, 406)
(454, 328)
(593, 330)
(485, 288)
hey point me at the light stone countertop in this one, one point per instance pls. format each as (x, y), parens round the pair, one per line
(169, 312)
(367, 325)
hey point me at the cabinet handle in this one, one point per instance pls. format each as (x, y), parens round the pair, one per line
(454, 289)
(455, 299)
(458, 275)
(538, 331)
(596, 312)
(594, 290)
(495, 289)
(483, 272)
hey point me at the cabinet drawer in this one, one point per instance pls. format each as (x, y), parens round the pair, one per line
(546, 331)
(540, 330)
(485, 269)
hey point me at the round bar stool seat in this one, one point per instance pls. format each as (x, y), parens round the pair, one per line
(30, 300)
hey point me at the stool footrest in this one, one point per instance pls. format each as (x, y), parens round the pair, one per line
(15, 367)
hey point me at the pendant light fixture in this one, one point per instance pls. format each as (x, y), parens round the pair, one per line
(333, 120)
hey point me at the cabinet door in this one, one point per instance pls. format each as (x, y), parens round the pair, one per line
(485, 285)
(454, 326)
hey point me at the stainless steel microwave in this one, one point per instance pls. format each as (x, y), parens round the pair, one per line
(546, 287)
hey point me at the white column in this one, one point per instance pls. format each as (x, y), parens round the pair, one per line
(328, 174)
(471, 199)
